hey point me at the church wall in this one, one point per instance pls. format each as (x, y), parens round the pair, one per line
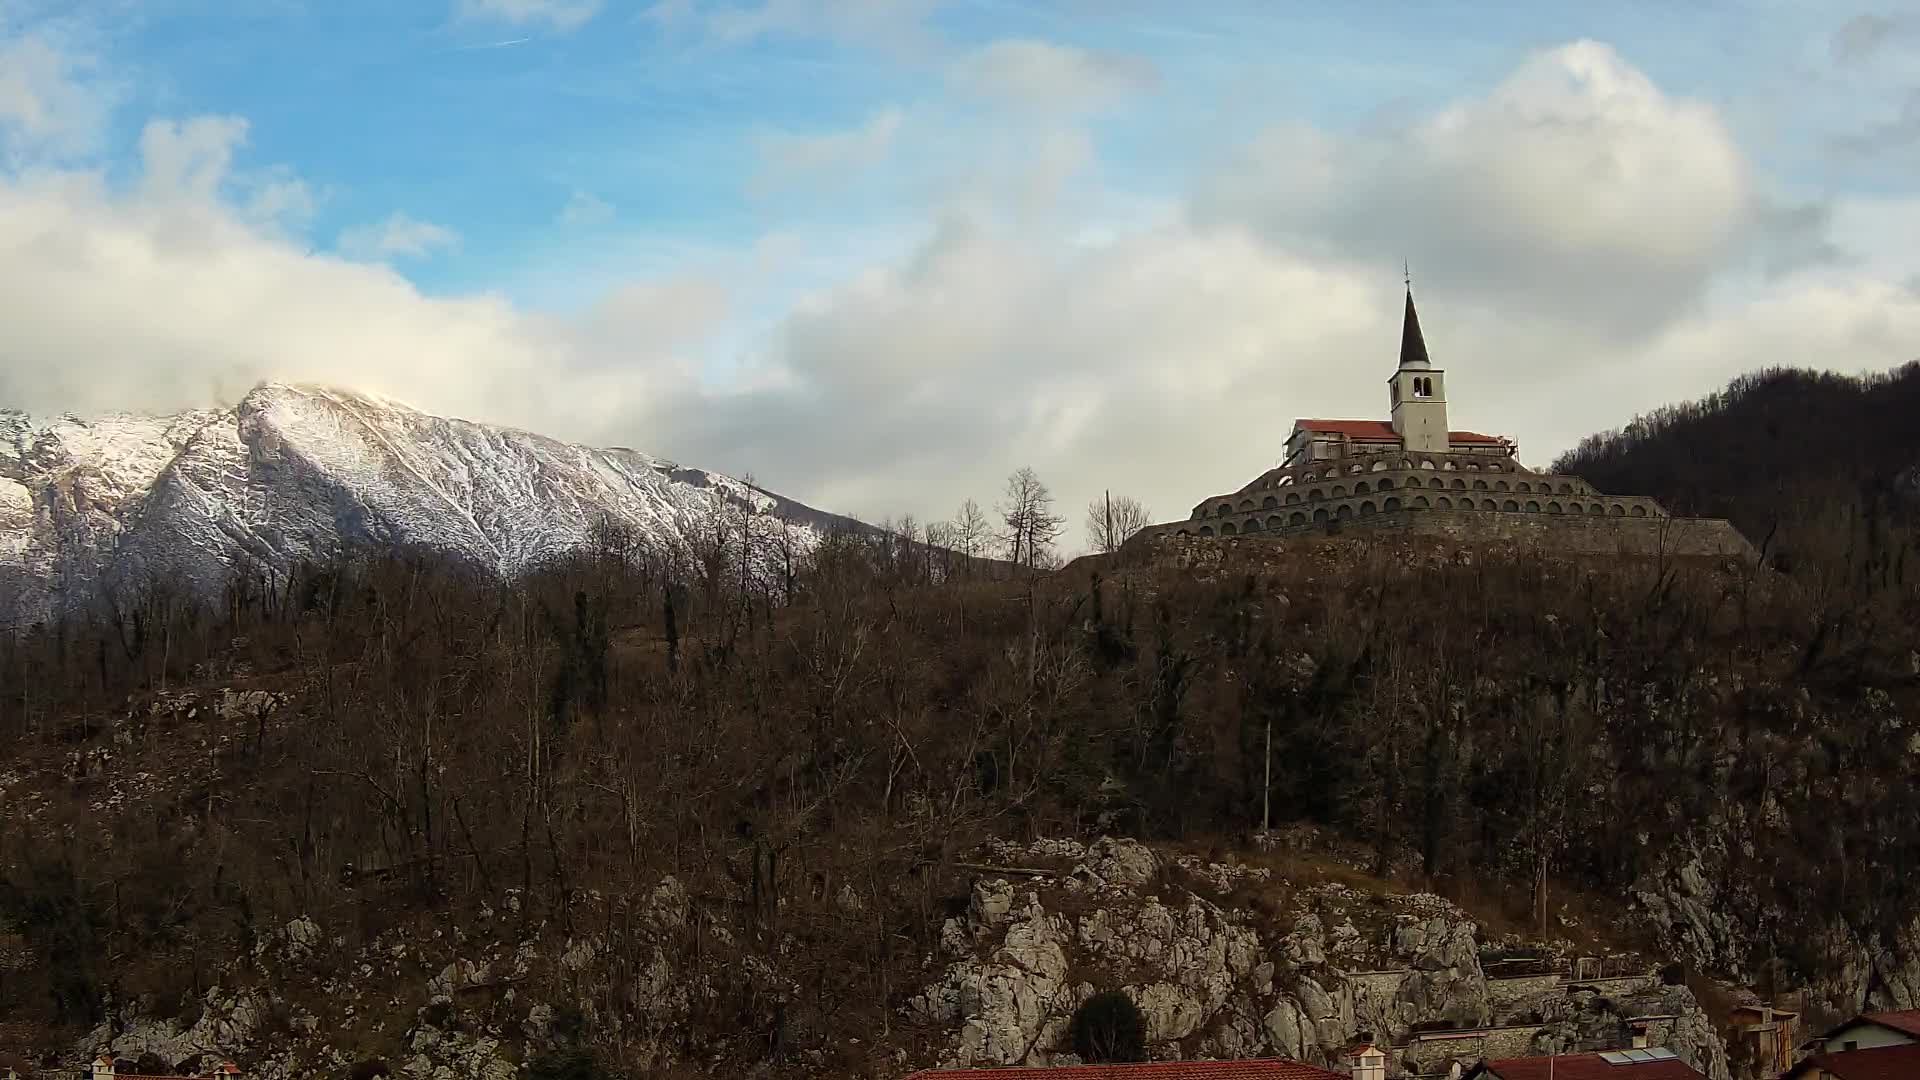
(1584, 534)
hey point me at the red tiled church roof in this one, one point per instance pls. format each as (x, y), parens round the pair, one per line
(1587, 1067)
(1257, 1069)
(1382, 431)
(1875, 1063)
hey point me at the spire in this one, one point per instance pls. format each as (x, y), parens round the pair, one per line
(1413, 347)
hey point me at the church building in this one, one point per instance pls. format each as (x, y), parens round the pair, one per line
(1413, 472)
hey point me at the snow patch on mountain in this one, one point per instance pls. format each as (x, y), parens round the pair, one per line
(295, 473)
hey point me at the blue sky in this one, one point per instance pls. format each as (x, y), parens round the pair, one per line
(490, 124)
(878, 252)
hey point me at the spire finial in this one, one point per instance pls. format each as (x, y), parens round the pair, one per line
(1408, 267)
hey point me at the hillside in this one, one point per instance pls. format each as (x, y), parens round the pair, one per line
(613, 820)
(94, 509)
(1798, 460)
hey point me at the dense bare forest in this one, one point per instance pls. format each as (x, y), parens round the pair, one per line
(811, 741)
(1790, 456)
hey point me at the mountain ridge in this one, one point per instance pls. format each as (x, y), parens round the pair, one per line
(296, 472)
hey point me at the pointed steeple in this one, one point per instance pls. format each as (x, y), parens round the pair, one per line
(1413, 347)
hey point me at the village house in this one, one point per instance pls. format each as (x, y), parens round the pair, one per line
(1762, 1039)
(1252, 1069)
(103, 1069)
(1637, 1064)
(1871, 1046)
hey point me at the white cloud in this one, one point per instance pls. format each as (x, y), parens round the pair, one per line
(190, 159)
(561, 15)
(1033, 74)
(1865, 36)
(398, 235)
(1576, 187)
(788, 159)
(1571, 232)
(53, 105)
(583, 209)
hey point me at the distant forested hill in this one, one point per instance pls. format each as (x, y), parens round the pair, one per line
(1793, 457)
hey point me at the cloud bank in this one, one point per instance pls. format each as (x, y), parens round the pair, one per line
(1583, 247)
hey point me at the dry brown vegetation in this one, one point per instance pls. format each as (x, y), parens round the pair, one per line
(810, 756)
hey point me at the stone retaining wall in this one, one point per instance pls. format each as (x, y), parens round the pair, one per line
(1567, 533)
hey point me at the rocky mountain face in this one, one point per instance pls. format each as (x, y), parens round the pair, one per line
(1211, 975)
(1215, 979)
(293, 473)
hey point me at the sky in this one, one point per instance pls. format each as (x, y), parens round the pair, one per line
(876, 254)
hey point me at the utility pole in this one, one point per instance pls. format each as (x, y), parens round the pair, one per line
(1266, 784)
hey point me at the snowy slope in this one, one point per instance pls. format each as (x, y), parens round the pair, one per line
(294, 472)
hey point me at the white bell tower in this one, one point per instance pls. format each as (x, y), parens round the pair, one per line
(1419, 391)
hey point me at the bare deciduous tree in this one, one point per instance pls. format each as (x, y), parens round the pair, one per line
(1112, 519)
(970, 530)
(1030, 525)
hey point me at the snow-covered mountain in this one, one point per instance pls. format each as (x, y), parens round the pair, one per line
(294, 472)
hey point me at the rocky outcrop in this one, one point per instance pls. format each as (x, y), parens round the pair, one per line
(1222, 961)
(1214, 980)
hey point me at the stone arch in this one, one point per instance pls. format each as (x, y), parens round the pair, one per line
(1283, 481)
(1473, 466)
(1292, 497)
(1227, 529)
(1274, 522)
(1226, 508)
(1596, 508)
(1566, 489)
(1367, 509)
(1320, 514)
(1183, 532)
(1206, 530)
(1638, 510)
(1379, 465)
(1501, 485)
(1339, 491)
(1523, 486)
(1411, 481)
(1385, 484)
(1426, 463)
(1553, 508)
(1345, 512)
(1390, 505)
(1447, 466)
(1443, 502)
(1510, 506)
(1459, 484)
(1479, 485)
(1356, 468)
(1297, 518)
(1488, 504)
(1533, 506)
(1406, 463)
(1617, 510)
(1246, 504)
(1491, 467)
(1360, 488)
(1253, 524)
(1269, 503)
